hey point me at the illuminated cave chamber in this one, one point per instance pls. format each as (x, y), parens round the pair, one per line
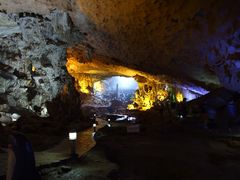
(113, 91)
(102, 84)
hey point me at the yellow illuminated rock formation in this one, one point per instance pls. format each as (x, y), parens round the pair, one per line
(88, 74)
(179, 97)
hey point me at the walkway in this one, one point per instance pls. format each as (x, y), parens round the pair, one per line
(62, 150)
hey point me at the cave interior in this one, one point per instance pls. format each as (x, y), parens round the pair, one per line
(145, 81)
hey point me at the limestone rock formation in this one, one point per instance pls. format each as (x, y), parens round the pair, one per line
(197, 41)
(32, 57)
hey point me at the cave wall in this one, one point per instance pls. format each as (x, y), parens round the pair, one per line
(33, 57)
(194, 40)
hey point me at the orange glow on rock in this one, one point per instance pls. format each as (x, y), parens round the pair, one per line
(179, 97)
(87, 75)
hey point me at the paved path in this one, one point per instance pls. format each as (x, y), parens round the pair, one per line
(61, 151)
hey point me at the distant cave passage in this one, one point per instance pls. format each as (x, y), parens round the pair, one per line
(114, 91)
(119, 87)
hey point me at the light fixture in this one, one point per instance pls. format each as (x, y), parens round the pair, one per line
(108, 124)
(94, 127)
(33, 69)
(72, 136)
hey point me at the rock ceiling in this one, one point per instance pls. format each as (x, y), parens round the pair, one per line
(194, 40)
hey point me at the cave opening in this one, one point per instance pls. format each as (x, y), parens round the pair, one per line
(114, 90)
(120, 88)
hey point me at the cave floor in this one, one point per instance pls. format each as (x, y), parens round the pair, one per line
(163, 149)
(93, 166)
(170, 150)
(61, 151)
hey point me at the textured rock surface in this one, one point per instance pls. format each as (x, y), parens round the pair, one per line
(33, 57)
(194, 40)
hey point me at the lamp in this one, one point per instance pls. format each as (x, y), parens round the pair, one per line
(108, 124)
(94, 127)
(73, 137)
